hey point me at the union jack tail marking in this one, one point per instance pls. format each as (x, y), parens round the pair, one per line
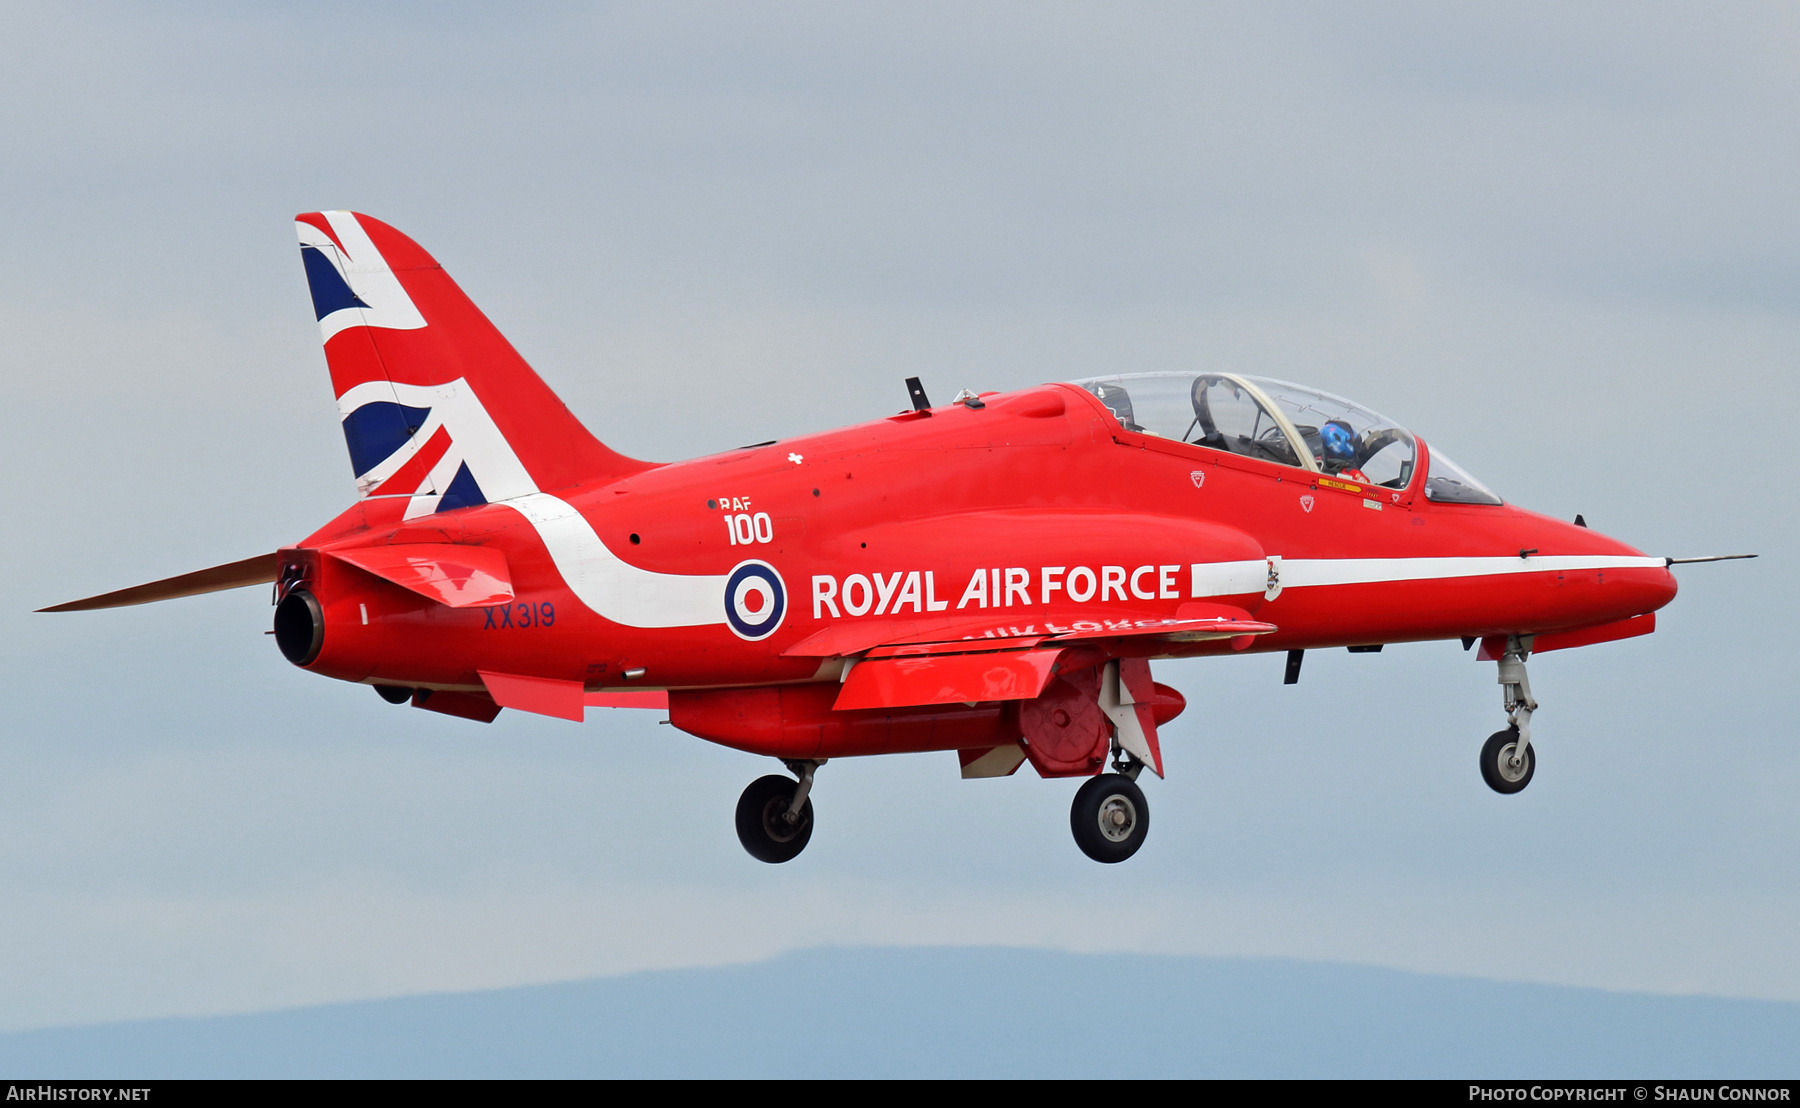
(436, 405)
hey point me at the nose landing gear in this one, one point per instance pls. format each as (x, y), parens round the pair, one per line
(775, 814)
(1507, 759)
(1506, 765)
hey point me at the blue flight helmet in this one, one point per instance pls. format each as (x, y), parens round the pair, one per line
(1339, 442)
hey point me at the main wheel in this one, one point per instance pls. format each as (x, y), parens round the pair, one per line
(761, 823)
(1497, 767)
(1110, 818)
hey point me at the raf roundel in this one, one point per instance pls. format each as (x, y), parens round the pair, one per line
(755, 600)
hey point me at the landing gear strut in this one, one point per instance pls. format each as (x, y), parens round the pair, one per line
(775, 814)
(1507, 758)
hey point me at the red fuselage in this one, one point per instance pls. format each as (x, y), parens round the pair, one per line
(1035, 513)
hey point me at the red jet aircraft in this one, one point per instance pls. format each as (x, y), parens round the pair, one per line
(992, 576)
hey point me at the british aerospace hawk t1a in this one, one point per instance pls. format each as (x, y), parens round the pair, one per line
(993, 576)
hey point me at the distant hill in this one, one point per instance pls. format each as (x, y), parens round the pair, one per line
(954, 1012)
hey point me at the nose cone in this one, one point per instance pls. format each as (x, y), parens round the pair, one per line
(1662, 588)
(1633, 592)
(1630, 589)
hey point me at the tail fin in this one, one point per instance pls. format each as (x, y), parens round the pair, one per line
(437, 406)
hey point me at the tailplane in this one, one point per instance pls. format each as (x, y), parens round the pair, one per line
(437, 406)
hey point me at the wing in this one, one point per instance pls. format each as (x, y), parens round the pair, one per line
(259, 570)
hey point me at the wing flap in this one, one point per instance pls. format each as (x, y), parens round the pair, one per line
(453, 575)
(851, 637)
(635, 698)
(259, 570)
(954, 646)
(947, 679)
(545, 696)
(896, 638)
(1204, 629)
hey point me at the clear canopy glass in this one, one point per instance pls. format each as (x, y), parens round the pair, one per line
(1449, 483)
(1259, 417)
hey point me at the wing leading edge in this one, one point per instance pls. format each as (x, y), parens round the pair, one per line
(259, 570)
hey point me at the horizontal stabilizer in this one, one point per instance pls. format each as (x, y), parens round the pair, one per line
(947, 679)
(259, 570)
(456, 576)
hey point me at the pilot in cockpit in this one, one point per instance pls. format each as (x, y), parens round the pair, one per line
(1339, 450)
(1264, 419)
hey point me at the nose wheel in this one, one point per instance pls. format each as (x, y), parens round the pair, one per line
(1508, 758)
(775, 815)
(1506, 765)
(1110, 818)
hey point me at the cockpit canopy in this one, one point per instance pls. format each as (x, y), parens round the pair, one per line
(1279, 422)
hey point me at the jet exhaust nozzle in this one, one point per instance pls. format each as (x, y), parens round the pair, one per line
(300, 627)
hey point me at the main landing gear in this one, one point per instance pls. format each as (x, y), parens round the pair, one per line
(1110, 816)
(1507, 758)
(775, 815)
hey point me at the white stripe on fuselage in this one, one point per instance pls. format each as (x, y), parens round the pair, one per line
(1237, 578)
(633, 597)
(614, 588)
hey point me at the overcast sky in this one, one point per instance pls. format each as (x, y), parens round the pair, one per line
(1561, 241)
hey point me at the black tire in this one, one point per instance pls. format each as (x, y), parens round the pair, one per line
(760, 823)
(1110, 818)
(393, 694)
(1496, 754)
